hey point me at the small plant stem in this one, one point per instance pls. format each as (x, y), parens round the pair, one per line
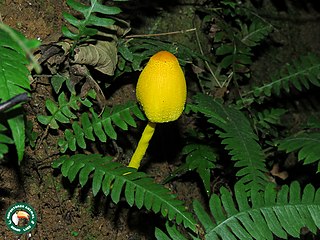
(142, 145)
(206, 62)
(160, 34)
(23, 97)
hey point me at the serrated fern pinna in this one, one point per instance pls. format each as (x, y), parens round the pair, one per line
(90, 22)
(237, 135)
(114, 179)
(298, 74)
(306, 144)
(87, 126)
(261, 215)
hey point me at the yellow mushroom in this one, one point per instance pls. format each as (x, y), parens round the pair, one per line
(162, 92)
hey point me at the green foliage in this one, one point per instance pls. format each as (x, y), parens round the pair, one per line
(269, 117)
(87, 26)
(236, 32)
(235, 46)
(88, 125)
(61, 112)
(268, 121)
(236, 133)
(200, 158)
(298, 74)
(14, 79)
(134, 52)
(307, 145)
(173, 233)
(113, 179)
(262, 214)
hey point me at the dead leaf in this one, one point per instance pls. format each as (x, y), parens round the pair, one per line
(276, 172)
(102, 56)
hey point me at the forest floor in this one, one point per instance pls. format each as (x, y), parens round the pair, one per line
(66, 211)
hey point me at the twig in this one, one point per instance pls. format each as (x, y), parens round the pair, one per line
(23, 97)
(206, 62)
(160, 34)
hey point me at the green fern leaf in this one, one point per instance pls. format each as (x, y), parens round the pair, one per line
(138, 50)
(100, 126)
(298, 74)
(202, 159)
(238, 136)
(255, 33)
(236, 51)
(61, 112)
(307, 145)
(88, 25)
(173, 233)
(14, 78)
(114, 179)
(269, 117)
(262, 214)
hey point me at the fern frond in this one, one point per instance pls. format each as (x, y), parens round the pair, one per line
(269, 117)
(173, 234)
(90, 127)
(238, 136)
(138, 50)
(257, 31)
(61, 112)
(300, 73)
(307, 145)
(88, 25)
(14, 77)
(114, 179)
(237, 51)
(200, 158)
(263, 214)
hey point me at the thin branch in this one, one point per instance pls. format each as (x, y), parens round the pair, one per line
(23, 97)
(161, 34)
(206, 62)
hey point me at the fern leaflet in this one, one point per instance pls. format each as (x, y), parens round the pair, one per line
(90, 127)
(298, 74)
(263, 214)
(113, 179)
(269, 117)
(199, 157)
(238, 136)
(61, 112)
(307, 145)
(87, 26)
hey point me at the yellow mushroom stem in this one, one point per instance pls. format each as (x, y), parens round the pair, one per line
(142, 145)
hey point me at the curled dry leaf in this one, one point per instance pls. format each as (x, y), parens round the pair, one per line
(102, 56)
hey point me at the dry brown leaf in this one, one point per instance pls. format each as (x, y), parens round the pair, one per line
(102, 56)
(276, 172)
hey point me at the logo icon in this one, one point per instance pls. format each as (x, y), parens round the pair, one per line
(21, 218)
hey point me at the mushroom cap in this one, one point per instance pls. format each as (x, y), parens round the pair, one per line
(161, 88)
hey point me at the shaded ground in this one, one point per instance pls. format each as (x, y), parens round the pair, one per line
(66, 211)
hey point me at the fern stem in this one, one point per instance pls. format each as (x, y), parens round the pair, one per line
(142, 145)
